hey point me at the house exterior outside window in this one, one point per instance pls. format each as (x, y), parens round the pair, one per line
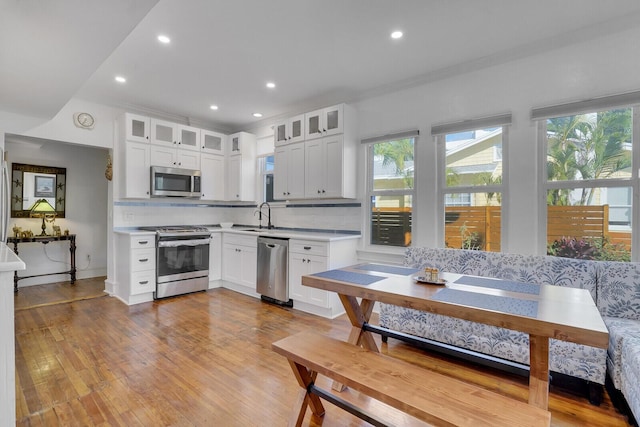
(471, 176)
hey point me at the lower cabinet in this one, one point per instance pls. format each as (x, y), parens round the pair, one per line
(135, 267)
(308, 257)
(240, 254)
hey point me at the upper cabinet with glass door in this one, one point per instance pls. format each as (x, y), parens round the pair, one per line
(324, 122)
(137, 128)
(188, 138)
(180, 136)
(290, 130)
(212, 142)
(163, 133)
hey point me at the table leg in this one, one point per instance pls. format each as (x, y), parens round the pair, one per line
(358, 315)
(15, 273)
(72, 249)
(539, 371)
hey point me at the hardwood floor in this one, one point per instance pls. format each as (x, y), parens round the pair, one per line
(58, 293)
(203, 360)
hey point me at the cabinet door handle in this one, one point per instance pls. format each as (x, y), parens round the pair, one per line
(306, 248)
(143, 242)
(144, 282)
(318, 191)
(143, 260)
(323, 191)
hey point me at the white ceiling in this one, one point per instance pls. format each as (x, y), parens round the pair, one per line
(223, 52)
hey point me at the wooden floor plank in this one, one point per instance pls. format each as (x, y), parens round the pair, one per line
(203, 359)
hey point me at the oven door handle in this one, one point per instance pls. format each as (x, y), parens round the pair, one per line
(176, 243)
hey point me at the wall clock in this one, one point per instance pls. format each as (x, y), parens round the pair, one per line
(84, 120)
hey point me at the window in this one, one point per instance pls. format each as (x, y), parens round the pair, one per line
(471, 181)
(266, 169)
(589, 184)
(391, 190)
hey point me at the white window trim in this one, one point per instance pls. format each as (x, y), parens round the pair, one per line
(601, 104)
(440, 140)
(366, 233)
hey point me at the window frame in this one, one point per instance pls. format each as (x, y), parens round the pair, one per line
(633, 182)
(370, 192)
(440, 133)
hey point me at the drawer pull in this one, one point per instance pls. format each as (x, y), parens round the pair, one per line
(306, 248)
(143, 260)
(143, 242)
(144, 282)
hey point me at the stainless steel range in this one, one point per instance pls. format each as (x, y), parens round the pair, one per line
(182, 259)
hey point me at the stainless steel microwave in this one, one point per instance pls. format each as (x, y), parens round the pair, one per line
(175, 182)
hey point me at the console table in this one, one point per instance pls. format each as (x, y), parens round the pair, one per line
(71, 238)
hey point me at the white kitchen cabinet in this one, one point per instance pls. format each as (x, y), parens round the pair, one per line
(290, 130)
(241, 167)
(136, 127)
(212, 168)
(330, 168)
(309, 257)
(172, 157)
(240, 254)
(188, 138)
(289, 171)
(165, 133)
(324, 122)
(215, 260)
(136, 182)
(135, 267)
(212, 142)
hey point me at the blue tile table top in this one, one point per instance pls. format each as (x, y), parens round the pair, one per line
(505, 285)
(489, 302)
(391, 269)
(349, 276)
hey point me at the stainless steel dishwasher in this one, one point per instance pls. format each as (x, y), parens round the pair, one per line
(272, 278)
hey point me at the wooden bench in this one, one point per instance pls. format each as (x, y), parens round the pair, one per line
(424, 394)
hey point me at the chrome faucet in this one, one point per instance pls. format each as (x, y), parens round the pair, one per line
(269, 225)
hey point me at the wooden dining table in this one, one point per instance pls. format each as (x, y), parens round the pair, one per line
(541, 311)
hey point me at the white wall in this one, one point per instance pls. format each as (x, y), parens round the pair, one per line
(86, 210)
(600, 67)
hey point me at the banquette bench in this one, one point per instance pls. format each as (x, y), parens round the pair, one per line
(614, 287)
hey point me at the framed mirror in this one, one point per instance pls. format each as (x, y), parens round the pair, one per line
(30, 183)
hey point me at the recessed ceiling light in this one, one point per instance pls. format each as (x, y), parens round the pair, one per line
(271, 85)
(396, 35)
(164, 39)
(258, 115)
(120, 79)
(214, 107)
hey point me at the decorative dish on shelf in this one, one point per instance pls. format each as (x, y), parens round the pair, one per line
(427, 280)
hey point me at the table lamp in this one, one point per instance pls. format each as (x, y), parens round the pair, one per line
(42, 209)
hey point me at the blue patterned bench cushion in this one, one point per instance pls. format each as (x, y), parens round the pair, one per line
(631, 374)
(619, 331)
(619, 289)
(588, 363)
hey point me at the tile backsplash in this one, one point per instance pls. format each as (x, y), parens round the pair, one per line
(313, 216)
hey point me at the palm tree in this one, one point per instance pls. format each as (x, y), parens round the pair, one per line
(586, 147)
(397, 152)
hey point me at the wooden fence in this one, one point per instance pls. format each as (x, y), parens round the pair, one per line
(478, 227)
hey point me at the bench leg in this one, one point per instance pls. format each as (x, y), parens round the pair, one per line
(305, 379)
